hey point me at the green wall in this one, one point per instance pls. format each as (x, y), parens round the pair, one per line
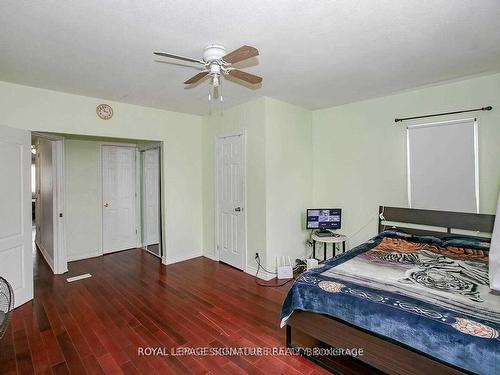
(359, 152)
(351, 156)
(50, 111)
(251, 118)
(288, 178)
(279, 177)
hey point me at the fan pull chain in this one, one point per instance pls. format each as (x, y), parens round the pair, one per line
(221, 99)
(220, 92)
(209, 99)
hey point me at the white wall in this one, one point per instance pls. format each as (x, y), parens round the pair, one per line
(45, 239)
(359, 152)
(44, 110)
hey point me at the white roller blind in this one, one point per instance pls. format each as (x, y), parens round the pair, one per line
(442, 166)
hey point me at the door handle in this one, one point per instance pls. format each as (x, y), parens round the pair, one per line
(238, 209)
(106, 204)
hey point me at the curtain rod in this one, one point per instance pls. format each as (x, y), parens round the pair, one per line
(488, 108)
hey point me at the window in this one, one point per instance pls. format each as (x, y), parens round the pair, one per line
(443, 166)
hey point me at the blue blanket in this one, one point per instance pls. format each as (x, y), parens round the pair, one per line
(429, 294)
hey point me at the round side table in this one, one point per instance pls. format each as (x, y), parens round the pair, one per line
(334, 240)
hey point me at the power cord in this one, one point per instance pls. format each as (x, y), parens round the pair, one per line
(257, 259)
(259, 266)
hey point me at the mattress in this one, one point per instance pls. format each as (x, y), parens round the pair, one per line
(428, 294)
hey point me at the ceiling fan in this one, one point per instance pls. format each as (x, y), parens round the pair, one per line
(217, 63)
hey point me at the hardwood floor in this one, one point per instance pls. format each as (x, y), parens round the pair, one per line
(96, 325)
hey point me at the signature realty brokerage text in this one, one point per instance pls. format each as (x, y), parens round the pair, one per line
(205, 351)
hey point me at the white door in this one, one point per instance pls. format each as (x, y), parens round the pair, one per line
(119, 230)
(15, 212)
(151, 168)
(231, 226)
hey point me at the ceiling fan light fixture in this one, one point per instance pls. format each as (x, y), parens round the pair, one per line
(213, 52)
(215, 80)
(217, 63)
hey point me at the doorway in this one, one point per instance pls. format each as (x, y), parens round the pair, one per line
(47, 169)
(231, 199)
(67, 198)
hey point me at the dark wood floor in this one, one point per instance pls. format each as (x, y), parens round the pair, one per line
(95, 325)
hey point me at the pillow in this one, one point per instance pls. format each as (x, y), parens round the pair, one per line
(467, 242)
(393, 231)
(495, 253)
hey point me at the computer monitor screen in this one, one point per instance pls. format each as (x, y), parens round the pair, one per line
(324, 218)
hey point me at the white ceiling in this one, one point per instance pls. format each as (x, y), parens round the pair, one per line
(313, 53)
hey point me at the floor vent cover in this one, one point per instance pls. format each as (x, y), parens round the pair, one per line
(79, 277)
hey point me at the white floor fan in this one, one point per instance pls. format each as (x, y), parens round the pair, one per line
(6, 305)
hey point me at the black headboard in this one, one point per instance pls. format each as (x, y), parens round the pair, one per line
(444, 219)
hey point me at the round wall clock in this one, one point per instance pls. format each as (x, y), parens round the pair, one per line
(104, 111)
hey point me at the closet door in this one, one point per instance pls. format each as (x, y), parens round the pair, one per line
(118, 198)
(151, 201)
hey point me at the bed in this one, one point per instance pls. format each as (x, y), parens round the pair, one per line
(416, 300)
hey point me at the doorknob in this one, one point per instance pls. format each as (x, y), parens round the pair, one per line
(106, 205)
(238, 209)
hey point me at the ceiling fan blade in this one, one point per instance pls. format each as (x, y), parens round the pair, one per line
(241, 54)
(178, 57)
(244, 76)
(196, 78)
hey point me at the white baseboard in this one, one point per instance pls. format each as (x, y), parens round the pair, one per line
(45, 255)
(72, 258)
(263, 275)
(211, 256)
(249, 269)
(181, 258)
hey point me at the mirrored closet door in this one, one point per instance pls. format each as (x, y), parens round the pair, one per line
(151, 200)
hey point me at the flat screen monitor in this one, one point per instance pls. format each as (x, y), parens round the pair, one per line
(324, 218)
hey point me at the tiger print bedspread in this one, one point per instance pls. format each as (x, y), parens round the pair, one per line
(451, 277)
(427, 293)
